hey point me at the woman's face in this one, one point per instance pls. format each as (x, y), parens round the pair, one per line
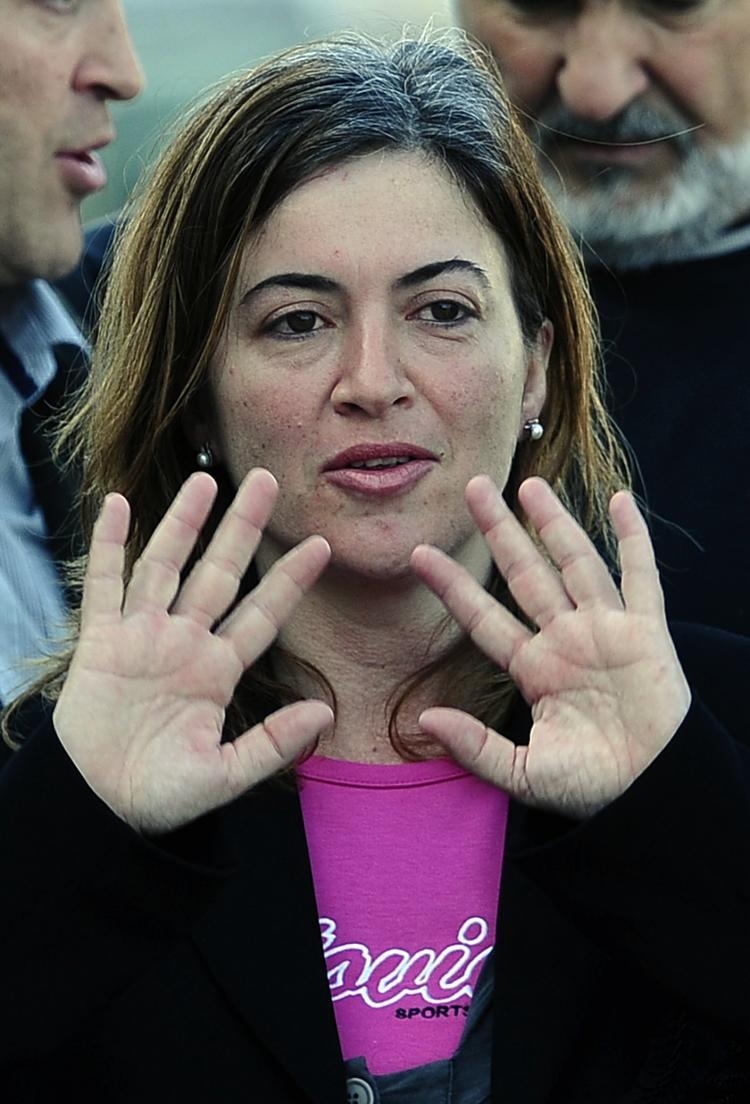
(373, 361)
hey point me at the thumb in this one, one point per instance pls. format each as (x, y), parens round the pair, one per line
(276, 742)
(474, 745)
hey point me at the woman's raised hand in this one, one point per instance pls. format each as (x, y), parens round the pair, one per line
(142, 709)
(601, 676)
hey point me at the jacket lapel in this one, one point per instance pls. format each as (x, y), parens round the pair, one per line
(262, 944)
(546, 976)
(546, 969)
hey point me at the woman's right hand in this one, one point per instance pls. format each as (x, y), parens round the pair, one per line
(142, 709)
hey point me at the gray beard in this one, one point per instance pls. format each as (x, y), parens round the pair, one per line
(708, 191)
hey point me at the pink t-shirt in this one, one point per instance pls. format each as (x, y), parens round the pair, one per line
(406, 863)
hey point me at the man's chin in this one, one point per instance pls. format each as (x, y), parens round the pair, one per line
(630, 230)
(629, 219)
(63, 252)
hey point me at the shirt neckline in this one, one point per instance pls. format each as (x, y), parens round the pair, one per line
(341, 772)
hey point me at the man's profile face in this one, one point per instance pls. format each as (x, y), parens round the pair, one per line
(60, 62)
(643, 111)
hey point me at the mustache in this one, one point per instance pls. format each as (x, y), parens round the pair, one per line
(636, 124)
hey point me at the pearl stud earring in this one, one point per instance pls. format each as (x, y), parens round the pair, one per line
(534, 428)
(204, 457)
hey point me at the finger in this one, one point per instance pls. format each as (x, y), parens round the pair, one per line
(476, 747)
(640, 585)
(102, 585)
(215, 580)
(257, 620)
(276, 743)
(489, 624)
(535, 585)
(584, 573)
(157, 571)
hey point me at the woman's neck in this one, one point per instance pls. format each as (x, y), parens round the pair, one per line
(367, 637)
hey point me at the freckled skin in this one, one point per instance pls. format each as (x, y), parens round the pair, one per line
(376, 368)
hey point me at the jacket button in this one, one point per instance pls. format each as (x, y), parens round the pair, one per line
(359, 1092)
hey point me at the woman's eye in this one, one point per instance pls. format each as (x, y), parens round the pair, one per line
(445, 312)
(295, 324)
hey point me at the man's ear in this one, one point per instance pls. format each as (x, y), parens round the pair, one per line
(535, 388)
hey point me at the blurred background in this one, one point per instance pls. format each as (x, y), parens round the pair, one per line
(186, 45)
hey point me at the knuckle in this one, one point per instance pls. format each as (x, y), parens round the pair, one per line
(266, 611)
(478, 620)
(224, 565)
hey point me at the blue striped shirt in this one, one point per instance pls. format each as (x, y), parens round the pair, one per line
(32, 323)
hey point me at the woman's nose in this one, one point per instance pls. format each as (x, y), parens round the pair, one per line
(371, 378)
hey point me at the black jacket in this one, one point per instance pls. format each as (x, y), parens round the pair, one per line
(676, 340)
(190, 968)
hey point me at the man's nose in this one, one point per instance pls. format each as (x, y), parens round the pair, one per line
(370, 376)
(604, 60)
(109, 64)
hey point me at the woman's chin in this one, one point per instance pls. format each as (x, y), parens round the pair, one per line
(372, 565)
(385, 560)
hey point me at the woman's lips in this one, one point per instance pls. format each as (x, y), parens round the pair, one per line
(381, 482)
(82, 171)
(379, 470)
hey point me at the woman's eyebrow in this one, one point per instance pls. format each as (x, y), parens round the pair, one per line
(437, 268)
(313, 282)
(304, 280)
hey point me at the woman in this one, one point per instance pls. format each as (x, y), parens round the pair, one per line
(344, 297)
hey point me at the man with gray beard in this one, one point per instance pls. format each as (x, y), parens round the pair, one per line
(641, 113)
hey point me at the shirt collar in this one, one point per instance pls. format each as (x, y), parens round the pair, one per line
(33, 321)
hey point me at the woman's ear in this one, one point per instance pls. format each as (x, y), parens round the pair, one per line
(535, 388)
(198, 428)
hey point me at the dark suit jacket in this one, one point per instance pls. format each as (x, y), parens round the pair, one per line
(81, 288)
(190, 968)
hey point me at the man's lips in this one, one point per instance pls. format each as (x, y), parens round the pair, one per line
(379, 469)
(82, 169)
(637, 152)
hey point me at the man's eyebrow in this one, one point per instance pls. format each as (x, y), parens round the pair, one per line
(429, 271)
(304, 280)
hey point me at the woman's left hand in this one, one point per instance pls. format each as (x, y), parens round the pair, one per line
(601, 675)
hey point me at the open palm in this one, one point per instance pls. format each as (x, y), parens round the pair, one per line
(601, 675)
(142, 710)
